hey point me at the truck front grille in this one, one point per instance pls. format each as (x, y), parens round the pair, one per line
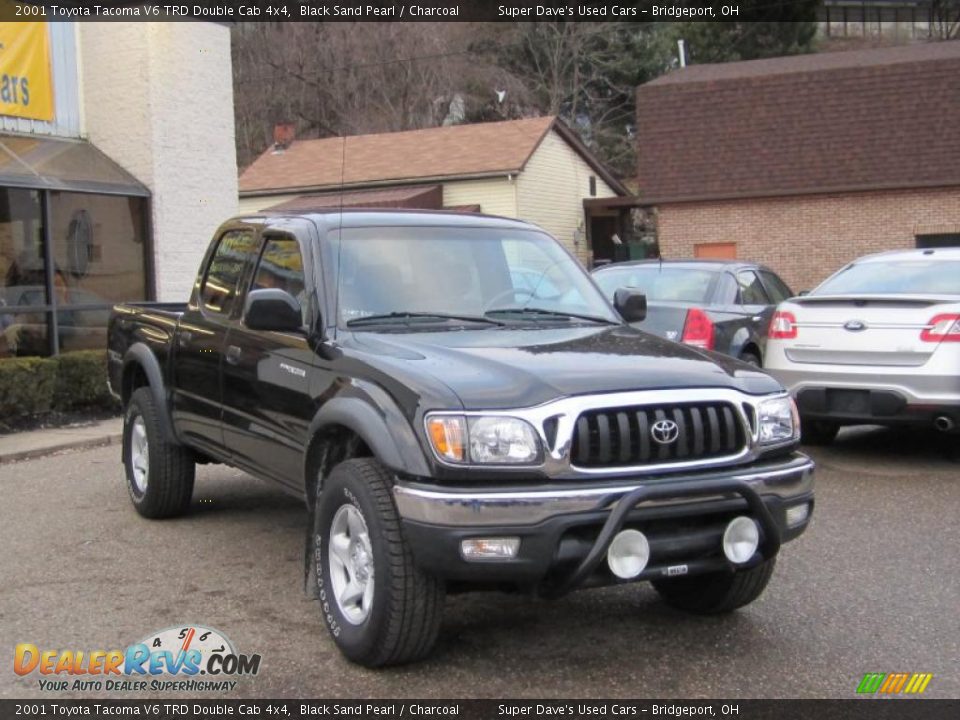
(617, 437)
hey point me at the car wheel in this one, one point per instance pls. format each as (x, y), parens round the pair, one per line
(160, 474)
(379, 607)
(818, 432)
(716, 593)
(750, 359)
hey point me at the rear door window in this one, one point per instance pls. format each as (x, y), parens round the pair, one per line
(221, 284)
(751, 290)
(777, 288)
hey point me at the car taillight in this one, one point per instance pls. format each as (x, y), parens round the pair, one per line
(698, 329)
(942, 328)
(783, 326)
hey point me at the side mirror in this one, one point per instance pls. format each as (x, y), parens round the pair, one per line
(272, 309)
(631, 304)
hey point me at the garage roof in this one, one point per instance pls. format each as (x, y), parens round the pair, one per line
(429, 155)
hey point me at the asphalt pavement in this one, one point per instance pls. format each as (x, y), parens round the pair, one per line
(873, 586)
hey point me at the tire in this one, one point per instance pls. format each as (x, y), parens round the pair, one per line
(818, 432)
(399, 619)
(159, 473)
(751, 359)
(716, 593)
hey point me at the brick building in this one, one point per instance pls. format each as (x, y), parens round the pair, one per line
(805, 162)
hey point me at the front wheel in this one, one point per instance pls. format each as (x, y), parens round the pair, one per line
(716, 593)
(379, 607)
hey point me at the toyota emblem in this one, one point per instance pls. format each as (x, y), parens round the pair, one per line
(664, 432)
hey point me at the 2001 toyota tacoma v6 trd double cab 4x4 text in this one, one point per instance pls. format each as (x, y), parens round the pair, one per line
(461, 408)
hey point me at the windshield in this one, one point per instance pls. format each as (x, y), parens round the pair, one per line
(666, 284)
(407, 273)
(902, 277)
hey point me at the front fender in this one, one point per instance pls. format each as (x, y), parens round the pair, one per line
(375, 418)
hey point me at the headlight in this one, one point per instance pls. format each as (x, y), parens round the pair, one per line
(485, 440)
(778, 420)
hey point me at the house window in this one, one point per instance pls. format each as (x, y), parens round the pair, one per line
(715, 251)
(938, 240)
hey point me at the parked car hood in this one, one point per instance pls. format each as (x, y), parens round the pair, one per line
(507, 367)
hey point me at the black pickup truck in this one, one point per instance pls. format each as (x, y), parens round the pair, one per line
(460, 408)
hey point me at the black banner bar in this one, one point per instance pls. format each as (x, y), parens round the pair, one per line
(854, 709)
(396, 11)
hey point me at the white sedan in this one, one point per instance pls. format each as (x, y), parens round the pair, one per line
(877, 343)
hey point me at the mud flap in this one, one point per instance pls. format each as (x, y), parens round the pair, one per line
(309, 566)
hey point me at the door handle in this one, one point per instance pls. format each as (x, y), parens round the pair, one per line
(757, 318)
(233, 354)
(185, 337)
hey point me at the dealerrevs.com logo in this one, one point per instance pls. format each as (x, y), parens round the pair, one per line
(184, 658)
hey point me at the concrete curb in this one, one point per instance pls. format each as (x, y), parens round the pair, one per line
(85, 444)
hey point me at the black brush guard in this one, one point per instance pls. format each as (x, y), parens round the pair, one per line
(769, 540)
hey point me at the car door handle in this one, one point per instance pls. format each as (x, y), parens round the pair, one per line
(757, 318)
(233, 354)
(185, 337)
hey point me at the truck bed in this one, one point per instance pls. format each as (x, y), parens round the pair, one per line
(153, 324)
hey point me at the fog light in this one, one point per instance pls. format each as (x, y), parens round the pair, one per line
(493, 548)
(628, 554)
(798, 514)
(740, 539)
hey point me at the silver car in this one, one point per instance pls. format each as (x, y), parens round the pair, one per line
(877, 343)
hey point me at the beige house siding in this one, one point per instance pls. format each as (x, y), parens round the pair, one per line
(250, 205)
(807, 238)
(551, 190)
(496, 196)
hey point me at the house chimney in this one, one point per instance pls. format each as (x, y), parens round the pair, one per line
(283, 135)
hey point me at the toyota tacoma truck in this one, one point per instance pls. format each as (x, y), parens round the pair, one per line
(460, 408)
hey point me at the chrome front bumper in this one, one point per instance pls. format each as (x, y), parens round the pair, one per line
(512, 506)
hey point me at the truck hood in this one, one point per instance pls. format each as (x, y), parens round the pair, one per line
(501, 368)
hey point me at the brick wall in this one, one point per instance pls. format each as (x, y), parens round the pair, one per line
(806, 238)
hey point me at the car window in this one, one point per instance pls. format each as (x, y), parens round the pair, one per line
(778, 289)
(281, 267)
(659, 283)
(751, 291)
(222, 280)
(921, 276)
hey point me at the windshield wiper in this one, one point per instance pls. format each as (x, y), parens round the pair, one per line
(543, 312)
(405, 315)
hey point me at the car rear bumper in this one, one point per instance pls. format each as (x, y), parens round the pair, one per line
(881, 396)
(564, 531)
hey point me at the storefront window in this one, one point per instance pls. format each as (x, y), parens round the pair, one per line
(22, 271)
(97, 248)
(96, 257)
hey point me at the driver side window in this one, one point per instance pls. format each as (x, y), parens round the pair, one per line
(281, 267)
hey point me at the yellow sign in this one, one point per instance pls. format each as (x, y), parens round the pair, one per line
(26, 89)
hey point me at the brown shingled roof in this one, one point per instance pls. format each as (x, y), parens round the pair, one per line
(456, 151)
(861, 120)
